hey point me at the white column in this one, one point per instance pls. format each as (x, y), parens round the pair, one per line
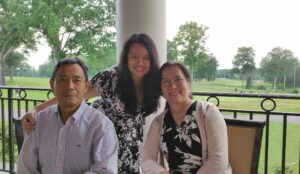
(142, 16)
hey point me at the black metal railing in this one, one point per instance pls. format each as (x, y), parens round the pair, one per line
(14, 102)
(264, 110)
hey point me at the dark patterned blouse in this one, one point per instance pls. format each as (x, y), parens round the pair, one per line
(129, 128)
(181, 145)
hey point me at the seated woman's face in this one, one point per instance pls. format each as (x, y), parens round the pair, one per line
(174, 86)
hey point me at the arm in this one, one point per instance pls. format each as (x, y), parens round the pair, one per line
(92, 92)
(217, 143)
(149, 159)
(28, 157)
(28, 121)
(105, 153)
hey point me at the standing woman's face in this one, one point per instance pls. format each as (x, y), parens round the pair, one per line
(174, 86)
(138, 61)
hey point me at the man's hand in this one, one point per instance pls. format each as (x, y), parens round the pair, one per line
(164, 172)
(28, 122)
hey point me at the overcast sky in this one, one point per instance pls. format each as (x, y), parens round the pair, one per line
(261, 24)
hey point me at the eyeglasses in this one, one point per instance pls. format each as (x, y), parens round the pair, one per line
(168, 83)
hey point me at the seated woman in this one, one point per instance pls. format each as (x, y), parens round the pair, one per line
(191, 135)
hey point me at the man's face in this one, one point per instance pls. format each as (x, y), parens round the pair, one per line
(69, 86)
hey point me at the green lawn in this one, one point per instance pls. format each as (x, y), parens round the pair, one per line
(275, 148)
(229, 85)
(225, 85)
(28, 82)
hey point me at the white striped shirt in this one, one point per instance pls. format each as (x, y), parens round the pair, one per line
(86, 143)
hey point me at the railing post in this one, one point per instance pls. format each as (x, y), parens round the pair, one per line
(10, 132)
(3, 133)
(283, 143)
(267, 142)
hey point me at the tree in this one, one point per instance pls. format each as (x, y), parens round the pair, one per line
(224, 73)
(243, 63)
(296, 78)
(101, 60)
(190, 41)
(278, 63)
(296, 73)
(46, 69)
(172, 52)
(15, 30)
(206, 67)
(289, 63)
(210, 69)
(77, 27)
(15, 61)
(26, 71)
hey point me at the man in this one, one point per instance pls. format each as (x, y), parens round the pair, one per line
(70, 137)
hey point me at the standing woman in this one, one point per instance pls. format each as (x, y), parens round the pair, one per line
(191, 135)
(127, 94)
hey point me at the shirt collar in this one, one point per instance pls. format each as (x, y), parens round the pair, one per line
(77, 114)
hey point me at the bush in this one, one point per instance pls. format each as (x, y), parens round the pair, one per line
(288, 170)
(261, 87)
(280, 86)
(295, 91)
(6, 142)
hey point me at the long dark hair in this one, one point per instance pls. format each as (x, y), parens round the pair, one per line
(150, 83)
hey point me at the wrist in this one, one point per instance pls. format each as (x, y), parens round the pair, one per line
(33, 110)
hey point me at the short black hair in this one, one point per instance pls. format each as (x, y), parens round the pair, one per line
(69, 61)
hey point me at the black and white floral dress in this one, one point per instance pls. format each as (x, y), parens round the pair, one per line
(181, 145)
(129, 127)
